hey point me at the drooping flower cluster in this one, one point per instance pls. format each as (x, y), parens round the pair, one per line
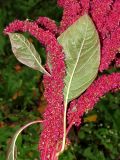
(52, 133)
(70, 14)
(42, 36)
(87, 101)
(106, 17)
(48, 24)
(51, 137)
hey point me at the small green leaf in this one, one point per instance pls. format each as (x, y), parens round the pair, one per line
(12, 150)
(25, 52)
(81, 46)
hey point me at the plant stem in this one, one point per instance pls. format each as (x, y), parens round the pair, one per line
(64, 130)
(69, 127)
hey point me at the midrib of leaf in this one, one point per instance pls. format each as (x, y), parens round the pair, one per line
(34, 56)
(67, 94)
(87, 73)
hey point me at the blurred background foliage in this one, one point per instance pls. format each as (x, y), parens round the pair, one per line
(22, 101)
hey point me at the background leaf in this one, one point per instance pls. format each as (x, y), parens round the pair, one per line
(25, 52)
(12, 151)
(81, 46)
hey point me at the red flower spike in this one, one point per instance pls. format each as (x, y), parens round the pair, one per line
(71, 13)
(53, 123)
(87, 101)
(48, 24)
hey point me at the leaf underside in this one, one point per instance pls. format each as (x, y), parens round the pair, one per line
(81, 47)
(25, 52)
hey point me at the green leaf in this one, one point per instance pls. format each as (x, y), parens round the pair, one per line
(81, 46)
(12, 150)
(93, 154)
(25, 52)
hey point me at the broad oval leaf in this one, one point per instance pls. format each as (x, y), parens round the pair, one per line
(81, 46)
(25, 52)
(12, 153)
